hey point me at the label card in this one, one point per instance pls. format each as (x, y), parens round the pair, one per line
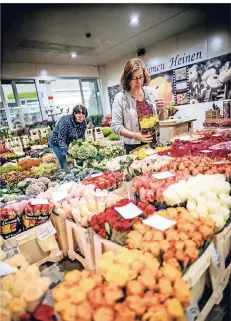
(195, 141)
(205, 151)
(163, 175)
(45, 230)
(96, 175)
(129, 211)
(39, 201)
(217, 163)
(59, 196)
(6, 269)
(159, 222)
(216, 135)
(149, 151)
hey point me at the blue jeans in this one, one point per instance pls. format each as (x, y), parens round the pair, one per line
(61, 158)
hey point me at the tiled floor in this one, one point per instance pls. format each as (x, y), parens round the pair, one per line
(56, 272)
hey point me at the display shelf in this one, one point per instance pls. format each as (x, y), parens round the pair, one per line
(80, 245)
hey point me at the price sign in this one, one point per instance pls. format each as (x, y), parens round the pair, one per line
(129, 211)
(45, 230)
(159, 222)
(163, 175)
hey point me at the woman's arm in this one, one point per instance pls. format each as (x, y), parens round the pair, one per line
(118, 124)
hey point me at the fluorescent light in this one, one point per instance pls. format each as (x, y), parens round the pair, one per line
(73, 55)
(134, 20)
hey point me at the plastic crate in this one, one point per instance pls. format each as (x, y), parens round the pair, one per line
(101, 246)
(36, 251)
(80, 245)
(60, 226)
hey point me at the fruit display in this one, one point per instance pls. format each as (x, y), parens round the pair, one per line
(13, 178)
(111, 225)
(206, 196)
(150, 189)
(9, 156)
(129, 286)
(194, 165)
(179, 245)
(22, 290)
(45, 170)
(107, 180)
(9, 168)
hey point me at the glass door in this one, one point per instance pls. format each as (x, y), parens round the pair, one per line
(10, 106)
(91, 96)
(30, 111)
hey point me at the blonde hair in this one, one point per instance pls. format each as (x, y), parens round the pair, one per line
(132, 65)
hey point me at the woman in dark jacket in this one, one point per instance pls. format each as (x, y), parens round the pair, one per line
(68, 129)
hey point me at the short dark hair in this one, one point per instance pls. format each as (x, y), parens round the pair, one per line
(132, 65)
(80, 109)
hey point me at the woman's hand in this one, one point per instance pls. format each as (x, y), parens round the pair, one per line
(143, 138)
(160, 104)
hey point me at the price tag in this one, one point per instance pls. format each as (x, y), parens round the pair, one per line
(6, 269)
(11, 250)
(59, 196)
(216, 135)
(45, 230)
(193, 311)
(39, 201)
(205, 151)
(159, 222)
(149, 151)
(195, 141)
(163, 175)
(129, 211)
(66, 186)
(96, 175)
(217, 163)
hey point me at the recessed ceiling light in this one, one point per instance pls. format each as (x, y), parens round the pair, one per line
(74, 55)
(134, 20)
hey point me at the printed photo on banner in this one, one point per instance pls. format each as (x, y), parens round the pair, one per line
(112, 91)
(162, 85)
(210, 80)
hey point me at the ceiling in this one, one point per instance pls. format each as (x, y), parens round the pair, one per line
(48, 33)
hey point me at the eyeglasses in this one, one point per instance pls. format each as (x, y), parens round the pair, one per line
(137, 78)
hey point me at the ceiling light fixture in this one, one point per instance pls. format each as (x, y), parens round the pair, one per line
(74, 55)
(134, 20)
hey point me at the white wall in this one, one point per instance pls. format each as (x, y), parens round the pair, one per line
(213, 40)
(23, 70)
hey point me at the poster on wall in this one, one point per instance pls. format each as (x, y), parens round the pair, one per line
(181, 86)
(112, 91)
(163, 86)
(210, 80)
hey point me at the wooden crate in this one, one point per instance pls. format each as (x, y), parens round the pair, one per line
(222, 243)
(101, 246)
(98, 133)
(196, 277)
(28, 244)
(60, 226)
(34, 134)
(90, 134)
(80, 245)
(212, 114)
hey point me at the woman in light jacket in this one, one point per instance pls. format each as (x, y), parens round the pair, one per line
(135, 101)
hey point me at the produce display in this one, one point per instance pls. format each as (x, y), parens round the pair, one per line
(105, 180)
(194, 165)
(22, 290)
(129, 286)
(218, 123)
(111, 225)
(201, 147)
(150, 189)
(161, 208)
(179, 245)
(206, 196)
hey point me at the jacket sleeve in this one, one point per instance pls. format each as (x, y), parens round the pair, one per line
(62, 136)
(117, 115)
(83, 134)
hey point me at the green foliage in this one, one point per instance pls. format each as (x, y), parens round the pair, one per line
(106, 131)
(114, 136)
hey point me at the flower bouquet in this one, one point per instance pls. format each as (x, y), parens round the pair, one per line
(150, 125)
